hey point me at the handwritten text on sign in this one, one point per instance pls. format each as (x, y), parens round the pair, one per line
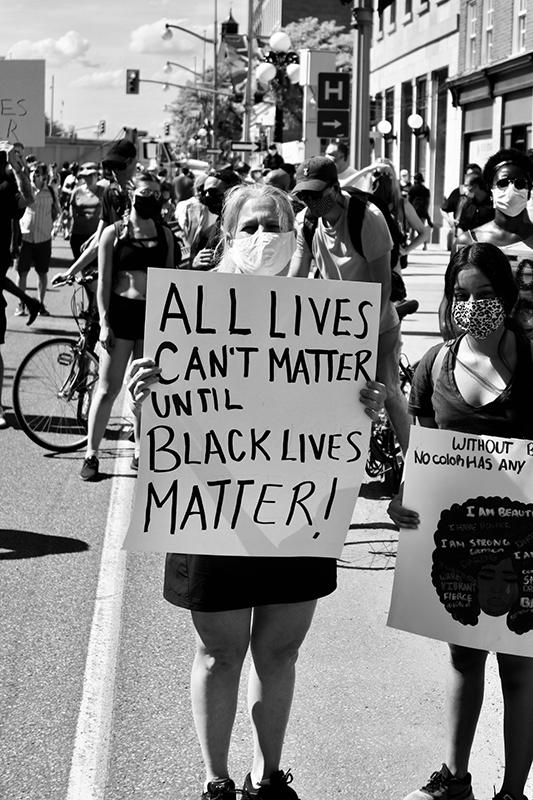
(466, 576)
(254, 442)
(22, 102)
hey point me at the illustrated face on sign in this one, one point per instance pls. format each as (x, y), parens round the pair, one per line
(498, 589)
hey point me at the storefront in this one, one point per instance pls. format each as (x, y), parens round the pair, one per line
(497, 105)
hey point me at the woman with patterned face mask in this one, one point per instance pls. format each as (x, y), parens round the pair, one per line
(479, 383)
(509, 174)
(265, 605)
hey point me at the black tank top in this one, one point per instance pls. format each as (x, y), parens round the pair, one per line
(140, 254)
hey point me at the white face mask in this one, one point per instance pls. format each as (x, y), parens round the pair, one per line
(509, 201)
(262, 253)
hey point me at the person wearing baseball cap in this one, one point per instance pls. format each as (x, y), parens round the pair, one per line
(85, 207)
(326, 235)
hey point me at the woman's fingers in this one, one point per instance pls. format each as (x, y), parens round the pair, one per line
(401, 516)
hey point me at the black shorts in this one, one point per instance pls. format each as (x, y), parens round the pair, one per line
(35, 254)
(3, 318)
(126, 317)
(225, 583)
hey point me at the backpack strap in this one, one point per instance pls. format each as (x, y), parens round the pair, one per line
(356, 213)
(308, 229)
(436, 367)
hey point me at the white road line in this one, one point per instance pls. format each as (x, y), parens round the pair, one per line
(88, 771)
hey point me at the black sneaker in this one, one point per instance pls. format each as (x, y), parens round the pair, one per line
(89, 469)
(443, 786)
(220, 790)
(34, 308)
(277, 789)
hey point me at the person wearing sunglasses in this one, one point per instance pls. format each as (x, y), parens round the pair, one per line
(211, 195)
(509, 174)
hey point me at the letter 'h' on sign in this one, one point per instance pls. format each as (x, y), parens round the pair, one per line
(333, 115)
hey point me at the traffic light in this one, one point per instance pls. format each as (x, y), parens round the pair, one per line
(101, 127)
(133, 77)
(166, 128)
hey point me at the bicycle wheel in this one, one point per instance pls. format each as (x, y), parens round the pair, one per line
(52, 391)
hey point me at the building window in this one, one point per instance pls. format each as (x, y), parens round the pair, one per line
(488, 30)
(471, 39)
(408, 6)
(519, 33)
(393, 12)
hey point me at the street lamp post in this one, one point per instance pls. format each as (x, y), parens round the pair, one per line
(168, 35)
(169, 64)
(362, 13)
(280, 66)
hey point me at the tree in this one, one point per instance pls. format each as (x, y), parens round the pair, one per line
(191, 108)
(309, 33)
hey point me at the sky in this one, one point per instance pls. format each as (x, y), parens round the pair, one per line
(88, 46)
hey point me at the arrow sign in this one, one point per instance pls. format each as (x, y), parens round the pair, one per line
(245, 147)
(332, 124)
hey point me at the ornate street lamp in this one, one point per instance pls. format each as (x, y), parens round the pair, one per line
(279, 68)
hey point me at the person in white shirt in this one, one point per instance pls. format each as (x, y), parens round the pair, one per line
(346, 175)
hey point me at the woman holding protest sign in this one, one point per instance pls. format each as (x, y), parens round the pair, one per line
(240, 603)
(478, 383)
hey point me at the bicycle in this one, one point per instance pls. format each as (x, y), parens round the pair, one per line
(62, 224)
(55, 381)
(385, 457)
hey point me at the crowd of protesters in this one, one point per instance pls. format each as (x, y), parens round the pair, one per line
(321, 218)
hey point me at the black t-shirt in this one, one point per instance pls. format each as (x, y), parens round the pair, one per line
(8, 212)
(507, 415)
(115, 202)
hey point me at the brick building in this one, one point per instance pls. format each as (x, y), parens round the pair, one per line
(493, 85)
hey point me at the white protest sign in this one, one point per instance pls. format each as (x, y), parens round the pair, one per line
(466, 575)
(255, 441)
(22, 102)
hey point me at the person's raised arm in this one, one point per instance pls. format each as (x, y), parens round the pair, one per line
(85, 259)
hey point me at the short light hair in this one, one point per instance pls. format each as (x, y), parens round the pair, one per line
(235, 199)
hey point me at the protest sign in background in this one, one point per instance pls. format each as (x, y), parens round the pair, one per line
(22, 102)
(255, 441)
(466, 575)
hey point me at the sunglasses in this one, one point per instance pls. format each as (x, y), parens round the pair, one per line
(309, 197)
(519, 183)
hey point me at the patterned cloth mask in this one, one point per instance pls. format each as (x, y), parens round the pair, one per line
(320, 207)
(479, 318)
(262, 253)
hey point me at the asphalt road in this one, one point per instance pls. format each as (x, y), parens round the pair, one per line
(94, 665)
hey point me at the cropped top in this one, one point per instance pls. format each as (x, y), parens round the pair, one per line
(140, 254)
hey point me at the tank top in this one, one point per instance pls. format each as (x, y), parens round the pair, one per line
(136, 254)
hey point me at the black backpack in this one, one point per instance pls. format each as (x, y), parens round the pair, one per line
(356, 211)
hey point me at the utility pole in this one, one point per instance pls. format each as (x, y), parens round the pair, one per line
(248, 104)
(362, 12)
(215, 82)
(52, 106)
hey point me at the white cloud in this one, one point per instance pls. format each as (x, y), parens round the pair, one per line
(101, 80)
(72, 46)
(147, 39)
